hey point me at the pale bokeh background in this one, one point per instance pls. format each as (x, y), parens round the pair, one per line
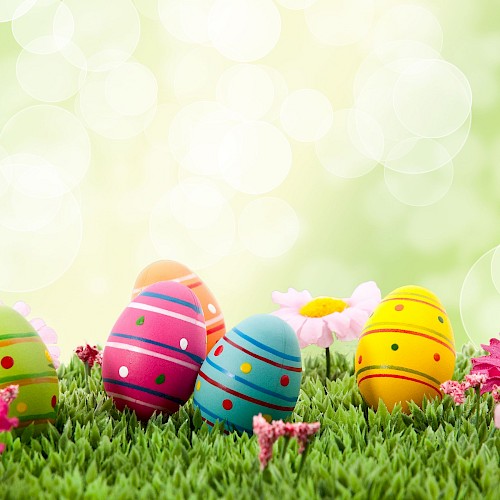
(265, 144)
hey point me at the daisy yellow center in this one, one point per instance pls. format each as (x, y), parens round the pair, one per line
(322, 306)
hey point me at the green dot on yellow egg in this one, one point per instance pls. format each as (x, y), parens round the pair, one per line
(246, 367)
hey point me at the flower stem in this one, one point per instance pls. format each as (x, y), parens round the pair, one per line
(478, 402)
(285, 447)
(301, 466)
(328, 362)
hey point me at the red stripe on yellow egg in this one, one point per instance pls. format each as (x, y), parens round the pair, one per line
(409, 332)
(415, 300)
(403, 377)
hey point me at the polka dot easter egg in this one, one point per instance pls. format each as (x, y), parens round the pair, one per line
(255, 368)
(406, 350)
(155, 350)
(169, 270)
(25, 361)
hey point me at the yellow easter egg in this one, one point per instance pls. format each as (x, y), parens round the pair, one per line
(406, 350)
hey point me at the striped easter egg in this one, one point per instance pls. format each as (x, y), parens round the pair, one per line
(155, 350)
(169, 270)
(406, 350)
(255, 368)
(25, 361)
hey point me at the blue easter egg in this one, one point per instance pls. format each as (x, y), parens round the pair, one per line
(255, 368)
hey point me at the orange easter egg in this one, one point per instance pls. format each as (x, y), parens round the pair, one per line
(406, 350)
(170, 270)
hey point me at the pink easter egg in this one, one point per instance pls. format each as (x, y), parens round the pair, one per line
(155, 350)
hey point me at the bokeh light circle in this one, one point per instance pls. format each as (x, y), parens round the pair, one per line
(54, 76)
(296, 4)
(247, 89)
(244, 30)
(47, 28)
(306, 115)
(99, 115)
(131, 89)
(353, 146)
(409, 22)
(196, 74)
(268, 227)
(196, 134)
(206, 241)
(31, 198)
(432, 98)
(148, 8)
(417, 156)
(13, 9)
(421, 189)
(186, 20)
(49, 250)
(255, 157)
(480, 299)
(106, 32)
(342, 22)
(54, 134)
(396, 56)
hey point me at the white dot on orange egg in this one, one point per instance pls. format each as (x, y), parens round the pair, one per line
(123, 372)
(212, 308)
(183, 343)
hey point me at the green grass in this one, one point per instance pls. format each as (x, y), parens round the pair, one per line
(93, 451)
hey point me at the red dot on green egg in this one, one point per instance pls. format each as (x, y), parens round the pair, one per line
(394, 347)
(219, 350)
(399, 307)
(441, 320)
(160, 379)
(437, 357)
(360, 359)
(53, 401)
(284, 380)
(227, 404)
(7, 362)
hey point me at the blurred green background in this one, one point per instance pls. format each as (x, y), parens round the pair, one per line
(266, 145)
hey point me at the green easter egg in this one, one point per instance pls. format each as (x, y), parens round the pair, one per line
(25, 361)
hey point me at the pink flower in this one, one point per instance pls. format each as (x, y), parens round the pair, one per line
(473, 380)
(47, 334)
(314, 320)
(490, 365)
(6, 423)
(497, 416)
(268, 433)
(9, 393)
(496, 393)
(89, 354)
(456, 390)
